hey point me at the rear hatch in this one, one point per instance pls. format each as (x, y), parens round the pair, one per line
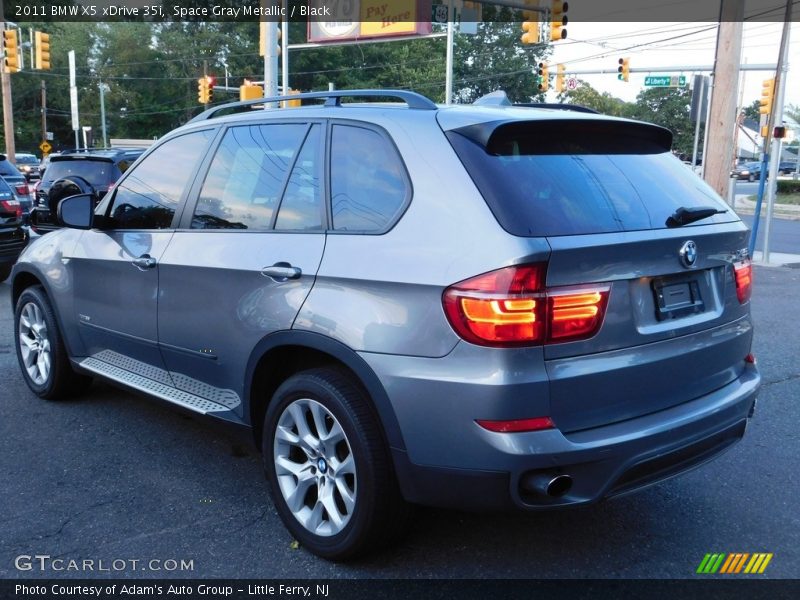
(601, 192)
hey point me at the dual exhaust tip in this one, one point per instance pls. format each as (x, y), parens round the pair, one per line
(548, 484)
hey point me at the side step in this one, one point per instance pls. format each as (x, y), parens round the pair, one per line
(152, 387)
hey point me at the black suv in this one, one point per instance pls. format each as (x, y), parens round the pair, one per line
(92, 171)
(13, 237)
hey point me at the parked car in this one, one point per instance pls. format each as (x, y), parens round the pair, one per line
(13, 236)
(28, 165)
(749, 171)
(92, 171)
(18, 183)
(480, 307)
(787, 167)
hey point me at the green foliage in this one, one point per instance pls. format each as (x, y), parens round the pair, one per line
(786, 186)
(605, 103)
(752, 111)
(670, 108)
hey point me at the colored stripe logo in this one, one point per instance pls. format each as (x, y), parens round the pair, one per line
(734, 562)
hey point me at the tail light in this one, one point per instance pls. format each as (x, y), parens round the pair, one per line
(22, 189)
(12, 206)
(512, 307)
(743, 275)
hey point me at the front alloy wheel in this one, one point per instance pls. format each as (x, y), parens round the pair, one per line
(315, 467)
(40, 350)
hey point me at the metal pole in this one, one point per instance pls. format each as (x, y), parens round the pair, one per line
(770, 122)
(103, 112)
(44, 111)
(448, 86)
(776, 143)
(285, 49)
(697, 124)
(205, 76)
(270, 63)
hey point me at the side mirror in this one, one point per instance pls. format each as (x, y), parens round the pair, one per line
(77, 211)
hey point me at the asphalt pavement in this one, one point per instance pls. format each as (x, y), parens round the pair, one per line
(114, 476)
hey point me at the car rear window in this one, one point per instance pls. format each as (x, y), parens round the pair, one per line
(99, 173)
(559, 177)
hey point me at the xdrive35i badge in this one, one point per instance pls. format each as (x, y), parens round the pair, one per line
(688, 254)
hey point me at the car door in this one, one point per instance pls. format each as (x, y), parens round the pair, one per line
(116, 267)
(245, 256)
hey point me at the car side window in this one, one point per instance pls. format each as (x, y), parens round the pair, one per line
(301, 206)
(247, 176)
(368, 183)
(148, 196)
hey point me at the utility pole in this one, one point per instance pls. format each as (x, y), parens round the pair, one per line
(270, 54)
(722, 109)
(8, 108)
(448, 85)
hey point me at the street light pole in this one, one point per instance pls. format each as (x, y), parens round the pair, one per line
(103, 112)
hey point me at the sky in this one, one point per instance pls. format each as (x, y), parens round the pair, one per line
(600, 45)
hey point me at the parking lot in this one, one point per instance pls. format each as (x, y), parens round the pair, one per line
(115, 476)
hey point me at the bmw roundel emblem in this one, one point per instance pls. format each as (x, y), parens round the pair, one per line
(688, 254)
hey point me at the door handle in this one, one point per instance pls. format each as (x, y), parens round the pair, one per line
(281, 271)
(144, 262)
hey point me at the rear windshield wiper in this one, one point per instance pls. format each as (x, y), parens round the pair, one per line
(684, 216)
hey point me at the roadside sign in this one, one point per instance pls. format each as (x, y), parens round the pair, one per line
(45, 147)
(572, 83)
(665, 81)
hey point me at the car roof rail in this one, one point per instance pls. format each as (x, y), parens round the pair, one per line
(332, 98)
(557, 106)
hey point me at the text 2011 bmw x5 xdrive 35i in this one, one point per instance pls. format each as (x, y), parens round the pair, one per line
(479, 307)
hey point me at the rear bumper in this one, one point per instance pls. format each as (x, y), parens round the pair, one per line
(12, 243)
(487, 469)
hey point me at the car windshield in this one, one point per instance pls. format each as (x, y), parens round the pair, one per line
(97, 172)
(27, 159)
(571, 177)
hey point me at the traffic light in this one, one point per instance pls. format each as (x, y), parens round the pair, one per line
(250, 91)
(561, 69)
(42, 50)
(530, 26)
(11, 50)
(558, 20)
(205, 89)
(624, 69)
(544, 77)
(767, 92)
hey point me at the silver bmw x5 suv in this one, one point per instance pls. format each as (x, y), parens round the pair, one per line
(481, 307)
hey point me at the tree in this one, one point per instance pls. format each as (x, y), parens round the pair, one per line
(605, 103)
(752, 111)
(670, 108)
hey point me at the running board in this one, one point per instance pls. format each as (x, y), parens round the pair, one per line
(151, 387)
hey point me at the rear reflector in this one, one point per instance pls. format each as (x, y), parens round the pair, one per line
(512, 307)
(517, 425)
(750, 358)
(743, 275)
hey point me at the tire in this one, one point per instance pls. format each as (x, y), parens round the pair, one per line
(66, 187)
(353, 479)
(40, 350)
(5, 271)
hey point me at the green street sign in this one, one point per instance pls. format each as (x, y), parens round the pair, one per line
(665, 81)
